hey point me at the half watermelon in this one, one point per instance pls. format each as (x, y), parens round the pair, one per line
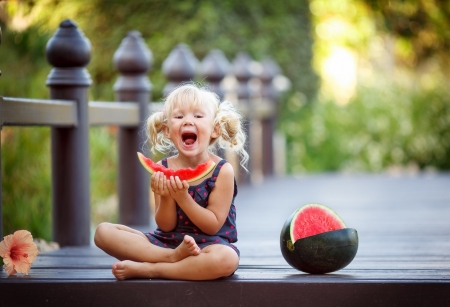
(314, 239)
(188, 174)
(313, 219)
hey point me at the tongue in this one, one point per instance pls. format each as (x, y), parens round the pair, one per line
(189, 141)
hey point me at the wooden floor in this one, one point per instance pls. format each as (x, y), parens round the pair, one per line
(403, 223)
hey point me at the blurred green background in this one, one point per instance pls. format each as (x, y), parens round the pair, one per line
(368, 83)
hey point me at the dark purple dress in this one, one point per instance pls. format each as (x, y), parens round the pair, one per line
(200, 193)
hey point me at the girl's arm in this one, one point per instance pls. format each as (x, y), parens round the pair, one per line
(211, 218)
(165, 208)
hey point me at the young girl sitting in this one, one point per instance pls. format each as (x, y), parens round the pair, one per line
(197, 222)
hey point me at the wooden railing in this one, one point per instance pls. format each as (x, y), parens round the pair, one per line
(69, 114)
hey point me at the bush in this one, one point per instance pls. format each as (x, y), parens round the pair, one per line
(389, 125)
(26, 178)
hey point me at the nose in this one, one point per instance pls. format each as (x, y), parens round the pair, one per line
(188, 120)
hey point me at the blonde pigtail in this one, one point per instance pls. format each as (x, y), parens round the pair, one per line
(231, 131)
(155, 133)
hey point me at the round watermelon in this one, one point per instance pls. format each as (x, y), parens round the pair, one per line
(315, 240)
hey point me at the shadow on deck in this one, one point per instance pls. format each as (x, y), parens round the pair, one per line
(403, 257)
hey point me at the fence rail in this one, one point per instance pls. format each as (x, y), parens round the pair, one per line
(27, 112)
(70, 114)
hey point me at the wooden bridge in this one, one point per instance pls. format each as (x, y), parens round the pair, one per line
(403, 257)
(402, 219)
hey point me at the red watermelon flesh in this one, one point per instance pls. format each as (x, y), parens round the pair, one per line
(313, 219)
(188, 174)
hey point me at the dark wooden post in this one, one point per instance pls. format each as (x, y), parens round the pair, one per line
(179, 67)
(1, 210)
(214, 68)
(268, 91)
(241, 71)
(69, 51)
(133, 59)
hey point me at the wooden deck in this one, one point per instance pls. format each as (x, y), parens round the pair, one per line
(403, 259)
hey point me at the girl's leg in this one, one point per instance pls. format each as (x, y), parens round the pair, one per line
(213, 262)
(125, 243)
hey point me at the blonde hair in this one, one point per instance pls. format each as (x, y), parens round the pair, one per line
(226, 118)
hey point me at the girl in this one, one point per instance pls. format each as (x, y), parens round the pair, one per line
(197, 222)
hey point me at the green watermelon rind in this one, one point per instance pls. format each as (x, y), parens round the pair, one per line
(322, 253)
(299, 210)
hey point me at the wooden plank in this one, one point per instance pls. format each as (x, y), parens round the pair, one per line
(258, 108)
(118, 113)
(113, 113)
(27, 112)
(377, 263)
(254, 273)
(222, 293)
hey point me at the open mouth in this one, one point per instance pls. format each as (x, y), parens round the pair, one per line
(189, 138)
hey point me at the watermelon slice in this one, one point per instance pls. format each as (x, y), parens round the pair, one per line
(188, 174)
(313, 219)
(315, 240)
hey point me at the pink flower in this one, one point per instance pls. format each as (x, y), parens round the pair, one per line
(18, 252)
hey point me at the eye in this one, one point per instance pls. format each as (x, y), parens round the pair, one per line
(199, 116)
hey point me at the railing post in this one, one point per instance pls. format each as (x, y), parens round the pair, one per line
(1, 210)
(241, 71)
(268, 91)
(133, 59)
(214, 68)
(69, 51)
(179, 67)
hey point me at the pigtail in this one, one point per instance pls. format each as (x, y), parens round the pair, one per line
(155, 133)
(231, 131)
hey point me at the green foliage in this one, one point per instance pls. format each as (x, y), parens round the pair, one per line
(22, 62)
(389, 125)
(421, 26)
(261, 28)
(26, 178)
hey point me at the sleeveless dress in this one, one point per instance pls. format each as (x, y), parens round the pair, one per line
(200, 193)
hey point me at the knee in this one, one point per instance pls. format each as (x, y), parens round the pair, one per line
(227, 261)
(101, 233)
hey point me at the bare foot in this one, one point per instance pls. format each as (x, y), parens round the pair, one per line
(187, 248)
(129, 269)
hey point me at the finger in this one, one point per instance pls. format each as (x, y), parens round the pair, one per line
(166, 185)
(178, 183)
(172, 186)
(161, 181)
(185, 184)
(173, 183)
(153, 182)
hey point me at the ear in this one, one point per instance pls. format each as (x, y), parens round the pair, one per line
(216, 132)
(166, 131)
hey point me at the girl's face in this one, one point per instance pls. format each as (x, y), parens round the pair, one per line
(191, 129)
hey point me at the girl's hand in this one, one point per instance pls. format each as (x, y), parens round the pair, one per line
(178, 189)
(158, 184)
